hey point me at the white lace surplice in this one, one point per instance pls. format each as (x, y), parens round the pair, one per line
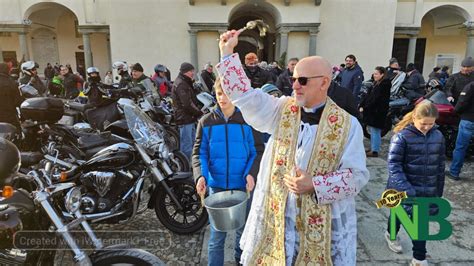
(262, 112)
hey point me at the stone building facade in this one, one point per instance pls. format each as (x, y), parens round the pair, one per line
(98, 32)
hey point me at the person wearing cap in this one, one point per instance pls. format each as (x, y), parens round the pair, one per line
(10, 97)
(208, 77)
(458, 81)
(465, 109)
(141, 80)
(258, 76)
(186, 108)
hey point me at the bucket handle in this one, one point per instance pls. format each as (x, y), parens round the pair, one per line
(202, 197)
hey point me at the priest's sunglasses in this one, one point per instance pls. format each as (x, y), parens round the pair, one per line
(304, 80)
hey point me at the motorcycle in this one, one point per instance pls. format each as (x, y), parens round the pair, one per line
(448, 120)
(36, 214)
(120, 176)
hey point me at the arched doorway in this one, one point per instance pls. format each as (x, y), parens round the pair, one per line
(250, 40)
(53, 36)
(445, 33)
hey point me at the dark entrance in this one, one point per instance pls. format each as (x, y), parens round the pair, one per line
(250, 40)
(400, 51)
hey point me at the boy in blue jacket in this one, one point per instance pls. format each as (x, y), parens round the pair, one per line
(226, 156)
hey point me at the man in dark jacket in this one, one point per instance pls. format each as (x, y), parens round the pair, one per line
(414, 81)
(393, 68)
(208, 77)
(10, 98)
(49, 72)
(30, 76)
(465, 108)
(352, 77)
(258, 77)
(145, 83)
(70, 83)
(458, 81)
(284, 82)
(186, 107)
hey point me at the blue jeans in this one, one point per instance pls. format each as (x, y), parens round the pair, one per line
(216, 243)
(419, 246)
(375, 138)
(187, 135)
(466, 130)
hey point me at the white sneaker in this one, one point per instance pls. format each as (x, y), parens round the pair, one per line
(393, 245)
(415, 262)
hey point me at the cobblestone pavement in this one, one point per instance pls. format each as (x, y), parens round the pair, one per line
(372, 250)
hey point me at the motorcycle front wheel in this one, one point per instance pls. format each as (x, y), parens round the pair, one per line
(186, 221)
(130, 256)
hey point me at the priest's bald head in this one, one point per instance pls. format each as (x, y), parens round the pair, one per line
(311, 80)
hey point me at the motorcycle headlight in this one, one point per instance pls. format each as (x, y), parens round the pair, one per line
(73, 200)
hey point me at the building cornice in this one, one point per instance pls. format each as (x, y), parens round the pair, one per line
(207, 26)
(19, 28)
(93, 29)
(407, 30)
(313, 28)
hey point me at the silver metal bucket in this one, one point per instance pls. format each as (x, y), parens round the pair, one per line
(227, 210)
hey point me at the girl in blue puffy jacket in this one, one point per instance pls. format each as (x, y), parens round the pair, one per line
(416, 162)
(226, 156)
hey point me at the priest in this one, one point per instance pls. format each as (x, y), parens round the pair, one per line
(303, 211)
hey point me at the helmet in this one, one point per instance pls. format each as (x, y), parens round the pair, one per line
(27, 67)
(120, 66)
(10, 158)
(91, 70)
(271, 89)
(160, 68)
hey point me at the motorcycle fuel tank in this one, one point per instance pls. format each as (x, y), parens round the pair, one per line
(117, 155)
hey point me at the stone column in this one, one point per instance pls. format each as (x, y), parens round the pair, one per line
(194, 47)
(283, 41)
(277, 46)
(87, 49)
(23, 46)
(470, 38)
(109, 52)
(411, 49)
(312, 42)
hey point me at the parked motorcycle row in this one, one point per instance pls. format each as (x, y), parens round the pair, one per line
(403, 101)
(73, 174)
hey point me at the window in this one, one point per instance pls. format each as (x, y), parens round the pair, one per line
(447, 60)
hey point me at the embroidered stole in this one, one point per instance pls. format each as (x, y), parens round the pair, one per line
(313, 221)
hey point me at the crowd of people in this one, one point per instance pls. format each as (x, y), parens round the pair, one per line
(258, 129)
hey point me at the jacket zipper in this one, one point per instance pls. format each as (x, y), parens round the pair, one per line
(227, 155)
(426, 158)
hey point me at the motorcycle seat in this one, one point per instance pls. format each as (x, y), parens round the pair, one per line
(91, 140)
(78, 106)
(30, 158)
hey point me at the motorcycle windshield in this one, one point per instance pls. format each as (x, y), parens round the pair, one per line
(438, 97)
(144, 131)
